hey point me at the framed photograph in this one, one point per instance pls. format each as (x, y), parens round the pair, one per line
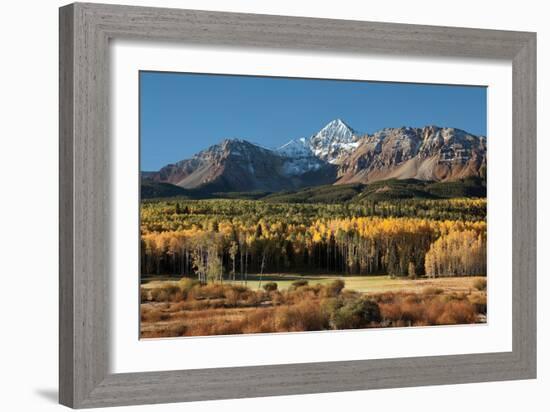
(256, 205)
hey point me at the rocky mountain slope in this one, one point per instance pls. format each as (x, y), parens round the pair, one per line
(337, 154)
(428, 153)
(238, 165)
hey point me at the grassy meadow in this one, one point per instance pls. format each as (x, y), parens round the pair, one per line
(291, 303)
(363, 284)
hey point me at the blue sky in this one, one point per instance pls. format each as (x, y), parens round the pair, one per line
(181, 113)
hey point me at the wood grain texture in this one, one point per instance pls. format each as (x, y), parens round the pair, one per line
(66, 229)
(85, 31)
(524, 209)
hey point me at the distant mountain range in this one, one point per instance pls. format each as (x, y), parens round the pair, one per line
(335, 155)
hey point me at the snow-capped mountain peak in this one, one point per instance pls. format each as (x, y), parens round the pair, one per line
(329, 144)
(336, 130)
(333, 141)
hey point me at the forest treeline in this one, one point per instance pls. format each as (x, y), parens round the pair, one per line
(211, 239)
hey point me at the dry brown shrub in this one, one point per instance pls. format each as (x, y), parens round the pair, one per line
(350, 294)
(480, 303)
(195, 305)
(218, 322)
(227, 328)
(304, 316)
(174, 293)
(240, 288)
(199, 329)
(144, 295)
(304, 293)
(434, 309)
(288, 297)
(241, 291)
(259, 321)
(333, 289)
(159, 295)
(210, 291)
(253, 299)
(186, 285)
(412, 299)
(430, 290)
(454, 297)
(206, 314)
(176, 307)
(149, 314)
(232, 298)
(331, 305)
(277, 298)
(412, 312)
(299, 283)
(270, 286)
(178, 329)
(167, 293)
(480, 284)
(457, 312)
(391, 311)
(156, 333)
(387, 297)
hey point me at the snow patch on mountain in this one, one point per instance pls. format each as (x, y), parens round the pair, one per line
(299, 158)
(334, 141)
(295, 148)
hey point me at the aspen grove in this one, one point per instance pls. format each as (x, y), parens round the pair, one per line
(213, 240)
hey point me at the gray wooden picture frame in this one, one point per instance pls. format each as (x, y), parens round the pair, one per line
(85, 32)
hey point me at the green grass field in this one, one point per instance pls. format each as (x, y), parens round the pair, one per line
(365, 284)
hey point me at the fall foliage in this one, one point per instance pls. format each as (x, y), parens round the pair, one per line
(216, 239)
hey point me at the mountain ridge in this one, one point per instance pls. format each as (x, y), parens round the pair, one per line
(336, 154)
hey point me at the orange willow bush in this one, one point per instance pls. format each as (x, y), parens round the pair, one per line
(228, 309)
